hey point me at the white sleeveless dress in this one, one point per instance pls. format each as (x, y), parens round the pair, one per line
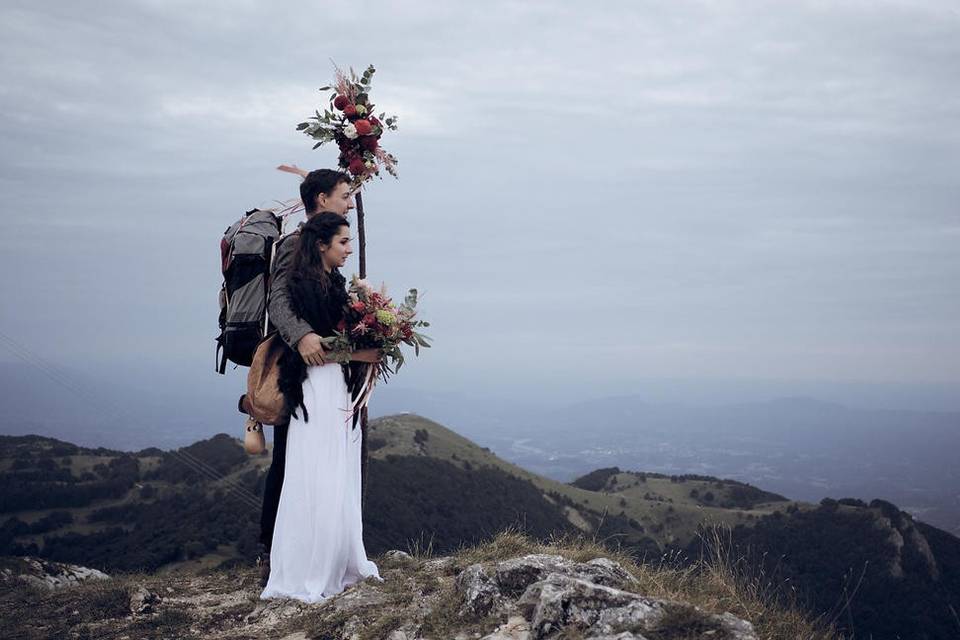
(317, 549)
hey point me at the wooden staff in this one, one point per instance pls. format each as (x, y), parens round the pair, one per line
(362, 242)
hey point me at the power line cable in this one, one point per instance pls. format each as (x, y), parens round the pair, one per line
(64, 379)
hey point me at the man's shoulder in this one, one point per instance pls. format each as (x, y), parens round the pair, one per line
(286, 242)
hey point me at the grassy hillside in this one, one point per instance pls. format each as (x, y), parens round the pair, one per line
(198, 506)
(665, 509)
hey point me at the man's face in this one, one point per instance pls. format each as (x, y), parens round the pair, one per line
(339, 201)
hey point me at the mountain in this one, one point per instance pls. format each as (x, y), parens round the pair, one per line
(433, 491)
(869, 565)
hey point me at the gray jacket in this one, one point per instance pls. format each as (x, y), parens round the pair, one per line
(291, 327)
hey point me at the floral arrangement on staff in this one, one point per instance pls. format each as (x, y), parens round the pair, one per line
(371, 320)
(349, 121)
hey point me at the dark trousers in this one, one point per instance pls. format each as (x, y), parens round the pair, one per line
(274, 483)
(271, 491)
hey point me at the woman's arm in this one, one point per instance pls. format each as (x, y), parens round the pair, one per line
(371, 356)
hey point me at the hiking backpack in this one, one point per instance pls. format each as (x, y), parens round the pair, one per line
(246, 252)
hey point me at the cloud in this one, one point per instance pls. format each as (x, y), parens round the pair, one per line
(753, 183)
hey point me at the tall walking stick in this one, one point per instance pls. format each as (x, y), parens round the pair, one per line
(362, 241)
(349, 121)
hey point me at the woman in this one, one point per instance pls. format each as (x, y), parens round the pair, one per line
(317, 546)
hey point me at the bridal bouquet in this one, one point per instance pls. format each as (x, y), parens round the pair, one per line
(372, 321)
(349, 121)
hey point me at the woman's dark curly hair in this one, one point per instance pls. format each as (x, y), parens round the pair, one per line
(308, 261)
(316, 297)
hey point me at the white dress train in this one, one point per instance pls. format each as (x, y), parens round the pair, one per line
(317, 549)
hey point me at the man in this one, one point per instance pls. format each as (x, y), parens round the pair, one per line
(321, 190)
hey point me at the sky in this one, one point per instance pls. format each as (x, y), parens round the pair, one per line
(593, 199)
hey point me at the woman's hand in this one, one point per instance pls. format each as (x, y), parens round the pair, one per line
(371, 356)
(311, 349)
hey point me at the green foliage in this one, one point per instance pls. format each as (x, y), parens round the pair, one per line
(840, 561)
(414, 496)
(57, 488)
(595, 480)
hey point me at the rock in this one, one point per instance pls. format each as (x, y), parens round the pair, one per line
(439, 565)
(737, 627)
(480, 592)
(612, 571)
(361, 595)
(515, 628)
(561, 601)
(46, 574)
(515, 575)
(553, 593)
(270, 613)
(400, 557)
(142, 600)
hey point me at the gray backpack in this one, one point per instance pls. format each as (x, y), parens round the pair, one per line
(246, 251)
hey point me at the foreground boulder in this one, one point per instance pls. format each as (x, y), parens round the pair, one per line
(44, 573)
(541, 596)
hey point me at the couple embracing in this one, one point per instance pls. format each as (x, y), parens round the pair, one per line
(311, 524)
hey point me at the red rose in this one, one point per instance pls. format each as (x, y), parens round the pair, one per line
(356, 166)
(358, 306)
(369, 319)
(368, 143)
(350, 111)
(364, 128)
(340, 102)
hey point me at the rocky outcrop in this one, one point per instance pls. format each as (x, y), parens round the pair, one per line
(524, 597)
(45, 574)
(541, 596)
(903, 534)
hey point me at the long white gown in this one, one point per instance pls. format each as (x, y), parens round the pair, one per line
(317, 548)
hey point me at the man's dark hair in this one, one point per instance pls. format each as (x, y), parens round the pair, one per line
(317, 182)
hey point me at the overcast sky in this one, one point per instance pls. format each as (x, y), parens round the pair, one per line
(590, 196)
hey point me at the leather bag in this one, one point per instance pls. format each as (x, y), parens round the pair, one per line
(263, 400)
